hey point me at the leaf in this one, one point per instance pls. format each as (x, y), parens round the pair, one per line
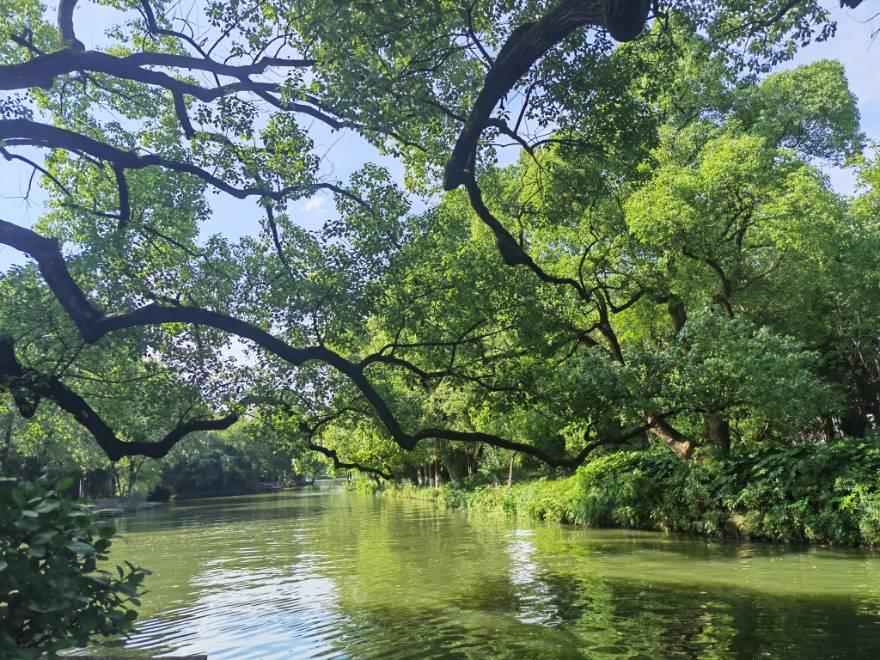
(44, 537)
(80, 548)
(102, 580)
(46, 506)
(64, 484)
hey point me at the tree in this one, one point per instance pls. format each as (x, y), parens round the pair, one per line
(127, 286)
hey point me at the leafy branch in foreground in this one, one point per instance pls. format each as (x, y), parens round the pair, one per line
(54, 595)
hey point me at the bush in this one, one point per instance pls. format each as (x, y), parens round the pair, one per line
(52, 593)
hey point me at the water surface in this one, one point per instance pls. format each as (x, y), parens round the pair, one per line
(326, 573)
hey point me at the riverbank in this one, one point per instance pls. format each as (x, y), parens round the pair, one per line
(819, 494)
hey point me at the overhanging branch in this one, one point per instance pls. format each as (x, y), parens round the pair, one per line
(30, 133)
(93, 324)
(29, 387)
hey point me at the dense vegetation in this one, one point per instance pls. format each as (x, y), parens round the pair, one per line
(615, 233)
(825, 494)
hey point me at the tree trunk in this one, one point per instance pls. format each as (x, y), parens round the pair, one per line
(7, 439)
(678, 312)
(451, 462)
(718, 432)
(132, 475)
(510, 470)
(828, 428)
(117, 485)
(853, 423)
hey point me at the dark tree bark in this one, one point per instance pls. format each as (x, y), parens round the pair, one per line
(854, 423)
(718, 432)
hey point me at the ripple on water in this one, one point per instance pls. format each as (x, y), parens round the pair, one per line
(333, 575)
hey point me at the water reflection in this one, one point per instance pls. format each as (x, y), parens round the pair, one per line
(326, 574)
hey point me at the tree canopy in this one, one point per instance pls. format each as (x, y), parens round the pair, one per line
(663, 261)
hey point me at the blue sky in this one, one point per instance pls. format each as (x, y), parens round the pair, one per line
(346, 152)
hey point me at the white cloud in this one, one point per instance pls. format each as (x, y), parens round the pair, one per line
(316, 204)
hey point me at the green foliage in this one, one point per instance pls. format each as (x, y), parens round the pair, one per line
(824, 494)
(53, 595)
(688, 260)
(233, 462)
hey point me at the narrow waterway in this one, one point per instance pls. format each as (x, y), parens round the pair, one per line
(325, 573)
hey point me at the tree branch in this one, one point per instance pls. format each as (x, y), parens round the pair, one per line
(525, 46)
(31, 133)
(65, 25)
(29, 386)
(93, 324)
(342, 465)
(41, 71)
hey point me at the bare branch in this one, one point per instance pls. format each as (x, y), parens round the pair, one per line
(65, 24)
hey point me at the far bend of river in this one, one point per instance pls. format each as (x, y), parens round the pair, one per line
(324, 573)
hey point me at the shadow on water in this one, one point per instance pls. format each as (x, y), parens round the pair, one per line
(229, 510)
(618, 620)
(326, 574)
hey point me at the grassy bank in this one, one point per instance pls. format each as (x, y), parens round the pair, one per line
(823, 494)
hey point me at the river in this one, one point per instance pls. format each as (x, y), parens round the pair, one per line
(325, 573)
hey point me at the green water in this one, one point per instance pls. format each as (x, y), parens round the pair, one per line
(330, 574)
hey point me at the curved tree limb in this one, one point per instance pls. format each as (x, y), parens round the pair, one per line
(525, 46)
(29, 387)
(511, 251)
(93, 324)
(30, 133)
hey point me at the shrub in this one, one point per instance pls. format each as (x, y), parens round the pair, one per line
(52, 593)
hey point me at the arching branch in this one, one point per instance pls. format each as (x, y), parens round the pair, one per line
(30, 133)
(525, 46)
(511, 251)
(29, 387)
(93, 324)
